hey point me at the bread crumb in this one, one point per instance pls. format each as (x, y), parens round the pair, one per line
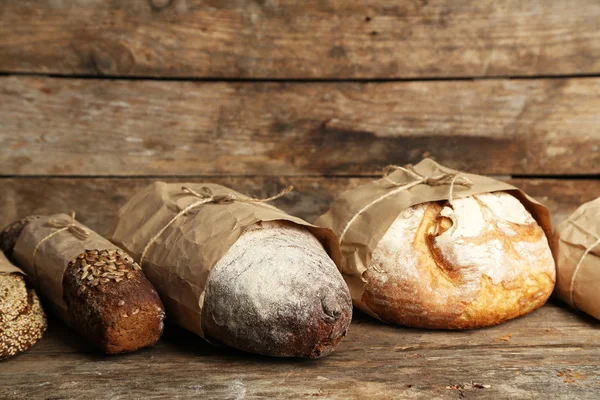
(505, 338)
(468, 386)
(570, 376)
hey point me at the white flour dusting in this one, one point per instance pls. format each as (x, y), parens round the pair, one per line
(275, 281)
(497, 255)
(480, 242)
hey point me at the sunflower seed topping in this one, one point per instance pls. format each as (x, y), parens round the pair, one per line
(98, 268)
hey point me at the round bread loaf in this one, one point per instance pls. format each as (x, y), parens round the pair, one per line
(479, 262)
(276, 292)
(22, 319)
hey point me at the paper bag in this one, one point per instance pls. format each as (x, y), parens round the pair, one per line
(576, 248)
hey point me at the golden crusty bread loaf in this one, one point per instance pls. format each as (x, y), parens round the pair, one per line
(479, 262)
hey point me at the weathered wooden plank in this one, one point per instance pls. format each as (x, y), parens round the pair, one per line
(97, 200)
(290, 39)
(375, 361)
(98, 127)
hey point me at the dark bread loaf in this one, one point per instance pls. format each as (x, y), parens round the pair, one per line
(277, 292)
(10, 235)
(111, 302)
(108, 299)
(22, 319)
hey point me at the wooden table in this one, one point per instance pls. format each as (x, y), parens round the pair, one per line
(101, 97)
(552, 353)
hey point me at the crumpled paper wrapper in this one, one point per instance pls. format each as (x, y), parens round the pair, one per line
(6, 267)
(179, 260)
(578, 286)
(369, 227)
(53, 256)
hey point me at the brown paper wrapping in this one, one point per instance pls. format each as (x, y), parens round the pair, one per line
(53, 256)
(369, 227)
(179, 260)
(580, 232)
(6, 267)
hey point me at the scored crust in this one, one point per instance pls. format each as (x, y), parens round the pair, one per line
(477, 263)
(22, 319)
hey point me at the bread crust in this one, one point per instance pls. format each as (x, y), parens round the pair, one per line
(22, 319)
(276, 292)
(11, 233)
(460, 280)
(120, 312)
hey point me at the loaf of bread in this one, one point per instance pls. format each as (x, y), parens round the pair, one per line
(22, 319)
(277, 292)
(11, 233)
(237, 271)
(95, 287)
(432, 247)
(478, 262)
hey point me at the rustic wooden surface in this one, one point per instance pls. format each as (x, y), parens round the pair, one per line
(333, 39)
(100, 127)
(552, 353)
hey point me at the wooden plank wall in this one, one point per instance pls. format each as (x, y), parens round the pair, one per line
(108, 95)
(285, 39)
(100, 97)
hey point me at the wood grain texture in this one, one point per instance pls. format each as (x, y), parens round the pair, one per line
(551, 353)
(289, 39)
(97, 200)
(132, 128)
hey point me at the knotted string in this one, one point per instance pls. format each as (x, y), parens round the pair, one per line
(572, 287)
(451, 179)
(206, 196)
(60, 226)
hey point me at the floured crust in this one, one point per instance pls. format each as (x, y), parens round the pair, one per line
(481, 262)
(277, 292)
(22, 319)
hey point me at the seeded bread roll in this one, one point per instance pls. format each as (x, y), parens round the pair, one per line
(479, 262)
(22, 319)
(277, 292)
(109, 300)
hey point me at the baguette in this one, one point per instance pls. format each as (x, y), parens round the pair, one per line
(104, 294)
